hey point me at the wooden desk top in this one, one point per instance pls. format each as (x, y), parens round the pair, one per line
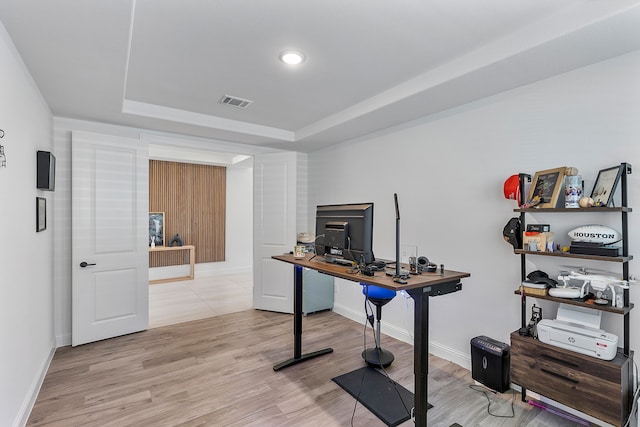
(379, 279)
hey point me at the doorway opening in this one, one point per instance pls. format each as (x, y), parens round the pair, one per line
(218, 287)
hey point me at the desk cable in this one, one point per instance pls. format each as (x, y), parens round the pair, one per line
(486, 392)
(315, 251)
(370, 319)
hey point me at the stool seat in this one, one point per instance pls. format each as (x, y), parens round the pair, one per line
(377, 357)
(371, 292)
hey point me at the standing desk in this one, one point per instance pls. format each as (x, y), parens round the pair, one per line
(419, 287)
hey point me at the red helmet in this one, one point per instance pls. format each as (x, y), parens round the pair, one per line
(512, 188)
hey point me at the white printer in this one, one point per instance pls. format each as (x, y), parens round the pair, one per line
(578, 329)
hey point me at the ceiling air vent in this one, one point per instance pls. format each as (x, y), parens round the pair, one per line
(234, 101)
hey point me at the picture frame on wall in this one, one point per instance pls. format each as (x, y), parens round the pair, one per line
(156, 228)
(547, 185)
(41, 214)
(605, 185)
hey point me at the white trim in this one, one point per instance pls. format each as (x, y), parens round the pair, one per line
(219, 269)
(32, 394)
(182, 116)
(201, 270)
(63, 340)
(435, 348)
(129, 41)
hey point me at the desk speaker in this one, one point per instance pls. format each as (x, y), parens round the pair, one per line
(490, 363)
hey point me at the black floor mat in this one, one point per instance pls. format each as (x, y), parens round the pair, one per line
(379, 394)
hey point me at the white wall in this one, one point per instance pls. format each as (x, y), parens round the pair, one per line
(26, 262)
(239, 220)
(449, 171)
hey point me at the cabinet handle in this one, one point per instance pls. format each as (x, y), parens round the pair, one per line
(561, 361)
(555, 374)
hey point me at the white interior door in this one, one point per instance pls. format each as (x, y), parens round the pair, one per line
(274, 230)
(110, 257)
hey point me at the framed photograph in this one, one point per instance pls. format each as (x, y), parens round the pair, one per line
(156, 228)
(605, 185)
(547, 185)
(41, 214)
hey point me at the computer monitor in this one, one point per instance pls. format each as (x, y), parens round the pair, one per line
(345, 232)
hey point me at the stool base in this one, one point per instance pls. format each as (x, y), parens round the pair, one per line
(377, 357)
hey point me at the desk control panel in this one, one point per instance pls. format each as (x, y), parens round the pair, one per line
(444, 288)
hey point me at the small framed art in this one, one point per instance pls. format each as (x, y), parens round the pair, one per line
(605, 185)
(156, 228)
(41, 214)
(546, 185)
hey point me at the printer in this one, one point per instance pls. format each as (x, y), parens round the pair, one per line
(578, 329)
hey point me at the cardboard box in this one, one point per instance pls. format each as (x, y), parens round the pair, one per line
(534, 291)
(543, 242)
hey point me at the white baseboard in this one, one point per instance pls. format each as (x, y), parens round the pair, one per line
(211, 269)
(32, 394)
(450, 354)
(63, 340)
(401, 333)
(201, 270)
(159, 273)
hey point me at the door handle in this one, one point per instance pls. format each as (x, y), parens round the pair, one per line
(84, 264)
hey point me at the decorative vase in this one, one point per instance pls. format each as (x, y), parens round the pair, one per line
(176, 240)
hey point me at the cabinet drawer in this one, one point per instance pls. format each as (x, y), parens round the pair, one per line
(596, 387)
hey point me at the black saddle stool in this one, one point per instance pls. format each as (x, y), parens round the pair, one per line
(377, 357)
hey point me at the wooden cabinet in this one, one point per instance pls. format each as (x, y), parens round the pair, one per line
(593, 386)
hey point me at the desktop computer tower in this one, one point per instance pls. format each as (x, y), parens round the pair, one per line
(490, 363)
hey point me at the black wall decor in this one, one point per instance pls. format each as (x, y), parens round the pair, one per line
(46, 171)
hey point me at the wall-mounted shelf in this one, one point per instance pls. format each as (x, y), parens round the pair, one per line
(574, 210)
(581, 256)
(609, 308)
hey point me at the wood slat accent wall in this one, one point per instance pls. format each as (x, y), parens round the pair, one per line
(193, 199)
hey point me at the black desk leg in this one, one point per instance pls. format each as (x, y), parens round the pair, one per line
(297, 326)
(420, 353)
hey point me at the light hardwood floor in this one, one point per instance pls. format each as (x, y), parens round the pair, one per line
(218, 372)
(202, 297)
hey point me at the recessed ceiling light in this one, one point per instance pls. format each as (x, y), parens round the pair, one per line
(292, 57)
